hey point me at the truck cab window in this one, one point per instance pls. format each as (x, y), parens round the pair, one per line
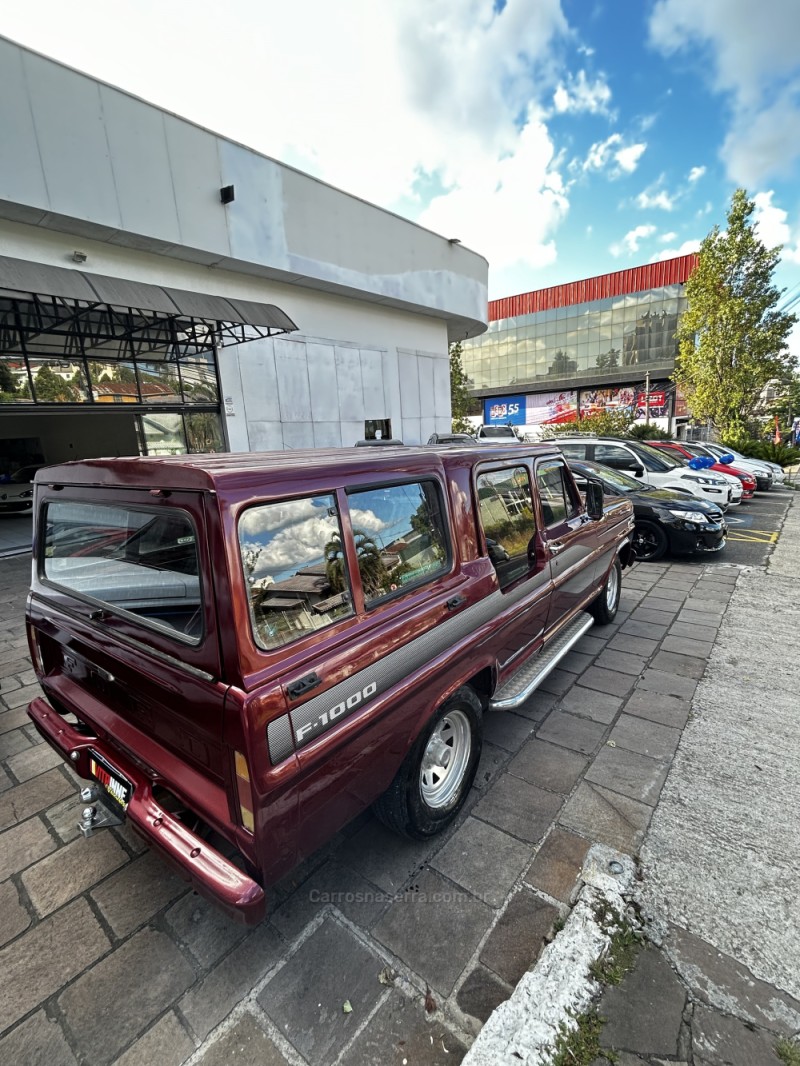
(506, 509)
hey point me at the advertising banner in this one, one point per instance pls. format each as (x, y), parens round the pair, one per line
(504, 409)
(605, 401)
(551, 408)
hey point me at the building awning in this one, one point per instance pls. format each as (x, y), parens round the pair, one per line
(60, 312)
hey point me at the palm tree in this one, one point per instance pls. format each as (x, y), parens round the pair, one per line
(370, 564)
(335, 563)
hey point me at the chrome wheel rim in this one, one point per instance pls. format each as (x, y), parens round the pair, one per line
(612, 588)
(445, 759)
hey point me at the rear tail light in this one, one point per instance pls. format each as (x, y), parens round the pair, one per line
(244, 792)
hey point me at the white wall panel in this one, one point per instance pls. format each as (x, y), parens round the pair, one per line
(441, 388)
(231, 386)
(265, 436)
(259, 379)
(21, 174)
(391, 388)
(298, 435)
(294, 393)
(351, 432)
(412, 431)
(327, 435)
(372, 383)
(427, 402)
(141, 166)
(351, 393)
(324, 385)
(255, 217)
(197, 180)
(408, 369)
(71, 134)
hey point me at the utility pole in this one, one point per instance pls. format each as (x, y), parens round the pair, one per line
(647, 398)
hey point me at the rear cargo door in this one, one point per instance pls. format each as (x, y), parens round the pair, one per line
(123, 612)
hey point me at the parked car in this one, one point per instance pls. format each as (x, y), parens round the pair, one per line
(451, 438)
(664, 520)
(747, 482)
(765, 473)
(648, 465)
(240, 653)
(16, 493)
(497, 434)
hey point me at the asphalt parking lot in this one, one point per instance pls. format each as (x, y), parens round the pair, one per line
(753, 529)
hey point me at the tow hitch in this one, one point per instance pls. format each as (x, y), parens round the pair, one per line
(95, 817)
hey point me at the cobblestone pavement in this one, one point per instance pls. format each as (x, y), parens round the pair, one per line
(107, 957)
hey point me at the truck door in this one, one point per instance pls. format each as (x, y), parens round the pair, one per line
(569, 537)
(508, 518)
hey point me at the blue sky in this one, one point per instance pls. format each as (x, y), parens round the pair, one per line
(559, 138)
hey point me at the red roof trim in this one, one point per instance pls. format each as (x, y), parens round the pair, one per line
(635, 279)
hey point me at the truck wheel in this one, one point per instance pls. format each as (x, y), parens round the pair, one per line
(433, 782)
(605, 606)
(649, 542)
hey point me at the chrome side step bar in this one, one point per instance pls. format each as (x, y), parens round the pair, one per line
(532, 673)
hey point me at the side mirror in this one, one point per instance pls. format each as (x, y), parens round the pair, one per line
(637, 471)
(594, 499)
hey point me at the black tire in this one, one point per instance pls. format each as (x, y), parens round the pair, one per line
(605, 607)
(424, 798)
(650, 542)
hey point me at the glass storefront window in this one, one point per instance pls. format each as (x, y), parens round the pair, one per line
(159, 382)
(113, 382)
(164, 434)
(204, 432)
(58, 381)
(14, 383)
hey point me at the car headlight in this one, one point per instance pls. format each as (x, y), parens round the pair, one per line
(689, 516)
(703, 480)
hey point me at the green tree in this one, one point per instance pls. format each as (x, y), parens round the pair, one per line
(51, 388)
(732, 336)
(562, 365)
(7, 381)
(461, 403)
(608, 360)
(603, 424)
(124, 374)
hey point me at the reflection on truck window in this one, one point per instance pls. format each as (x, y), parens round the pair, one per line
(295, 568)
(559, 499)
(399, 536)
(504, 498)
(142, 562)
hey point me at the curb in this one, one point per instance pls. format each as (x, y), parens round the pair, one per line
(560, 987)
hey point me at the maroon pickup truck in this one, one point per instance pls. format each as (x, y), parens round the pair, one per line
(239, 653)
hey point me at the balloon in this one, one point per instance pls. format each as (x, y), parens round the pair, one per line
(727, 458)
(709, 462)
(697, 463)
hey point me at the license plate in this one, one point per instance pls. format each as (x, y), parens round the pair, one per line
(116, 786)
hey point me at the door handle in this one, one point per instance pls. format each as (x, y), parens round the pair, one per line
(455, 602)
(556, 546)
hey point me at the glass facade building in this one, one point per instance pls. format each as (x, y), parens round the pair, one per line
(580, 347)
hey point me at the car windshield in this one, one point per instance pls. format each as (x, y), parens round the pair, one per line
(498, 431)
(614, 481)
(652, 457)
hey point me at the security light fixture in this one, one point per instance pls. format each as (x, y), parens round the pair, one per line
(454, 240)
(79, 257)
(227, 194)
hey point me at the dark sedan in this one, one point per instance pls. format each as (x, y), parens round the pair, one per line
(664, 520)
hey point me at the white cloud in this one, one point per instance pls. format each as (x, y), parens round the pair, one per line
(613, 155)
(772, 226)
(385, 100)
(628, 158)
(665, 238)
(672, 253)
(658, 198)
(508, 209)
(632, 239)
(579, 94)
(750, 50)
(696, 173)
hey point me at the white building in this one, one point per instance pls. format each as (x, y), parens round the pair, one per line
(139, 248)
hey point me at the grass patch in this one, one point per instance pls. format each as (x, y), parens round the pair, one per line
(788, 1051)
(580, 1045)
(625, 944)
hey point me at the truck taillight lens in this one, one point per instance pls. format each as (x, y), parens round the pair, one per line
(243, 791)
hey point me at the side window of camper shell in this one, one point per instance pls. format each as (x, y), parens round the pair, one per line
(295, 568)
